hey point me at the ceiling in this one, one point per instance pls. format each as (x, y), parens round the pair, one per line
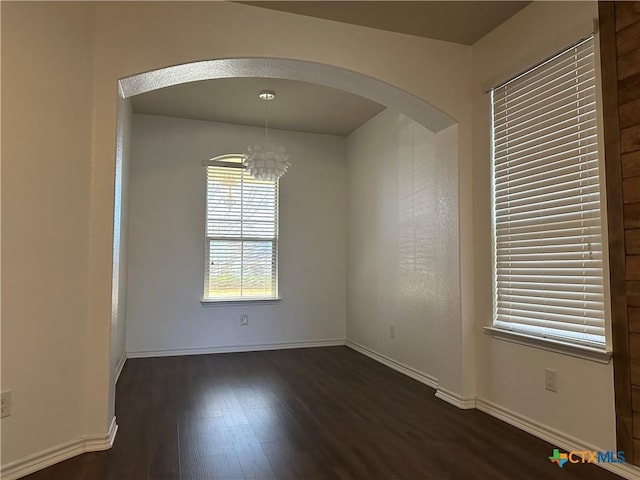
(453, 21)
(306, 107)
(298, 106)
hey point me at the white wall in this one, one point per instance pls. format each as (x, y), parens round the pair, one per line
(46, 166)
(60, 66)
(403, 266)
(166, 241)
(512, 376)
(160, 34)
(120, 239)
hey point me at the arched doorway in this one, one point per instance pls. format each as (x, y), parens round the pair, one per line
(326, 75)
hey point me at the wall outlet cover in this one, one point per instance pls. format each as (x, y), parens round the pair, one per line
(551, 380)
(5, 404)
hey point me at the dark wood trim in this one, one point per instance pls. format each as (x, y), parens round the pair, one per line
(628, 88)
(626, 14)
(632, 241)
(633, 298)
(635, 395)
(629, 115)
(631, 161)
(634, 323)
(627, 38)
(632, 215)
(615, 223)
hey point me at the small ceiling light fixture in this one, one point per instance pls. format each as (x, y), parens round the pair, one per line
(268, 161)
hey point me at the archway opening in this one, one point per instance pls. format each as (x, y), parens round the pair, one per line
(414, 268)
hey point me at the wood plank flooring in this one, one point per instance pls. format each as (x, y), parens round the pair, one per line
(316, 413)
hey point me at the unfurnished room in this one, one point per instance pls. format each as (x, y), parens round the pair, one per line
(320, 240)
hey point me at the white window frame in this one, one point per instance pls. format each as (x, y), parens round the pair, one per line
(599, 353)
(235, 161)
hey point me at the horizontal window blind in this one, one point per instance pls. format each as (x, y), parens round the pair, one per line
(547, 222)
(242, 235)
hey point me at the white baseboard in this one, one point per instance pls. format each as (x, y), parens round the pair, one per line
(59, 453)
(235, 348)
(97, 443)
(553, 436)
(391, 363)
(119, 368)
(455, 399)
(441, 393)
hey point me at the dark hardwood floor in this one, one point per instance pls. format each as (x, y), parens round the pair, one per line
(317, 413)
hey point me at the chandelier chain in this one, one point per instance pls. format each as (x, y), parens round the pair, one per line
(266, 119)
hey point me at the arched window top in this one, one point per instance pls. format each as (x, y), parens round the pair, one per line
(233, 160)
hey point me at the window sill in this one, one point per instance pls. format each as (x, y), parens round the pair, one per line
(238, 301)
(557, 346)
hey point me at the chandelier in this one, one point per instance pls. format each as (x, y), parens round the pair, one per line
(266, 161)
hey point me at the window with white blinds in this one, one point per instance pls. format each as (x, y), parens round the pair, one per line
(241, 258)
(547, 218)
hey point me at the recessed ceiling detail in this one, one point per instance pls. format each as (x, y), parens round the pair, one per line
(301, 106)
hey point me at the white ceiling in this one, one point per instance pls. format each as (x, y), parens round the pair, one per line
(306, 107)
(298, 106)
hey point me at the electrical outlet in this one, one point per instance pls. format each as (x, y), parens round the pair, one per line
(5, 403)
(551, 380)
(244, 320)
(392, 331)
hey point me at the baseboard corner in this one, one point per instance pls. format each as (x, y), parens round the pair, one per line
(464, 403)
(394, 364)
(59, 453)
(97, 443)
(119, 368)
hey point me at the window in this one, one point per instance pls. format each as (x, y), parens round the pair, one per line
(241, 257)
(548, 259)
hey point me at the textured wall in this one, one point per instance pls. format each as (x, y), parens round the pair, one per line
(166, 241)
(403, 245)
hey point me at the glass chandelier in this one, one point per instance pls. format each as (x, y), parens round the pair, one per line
(266, 161)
